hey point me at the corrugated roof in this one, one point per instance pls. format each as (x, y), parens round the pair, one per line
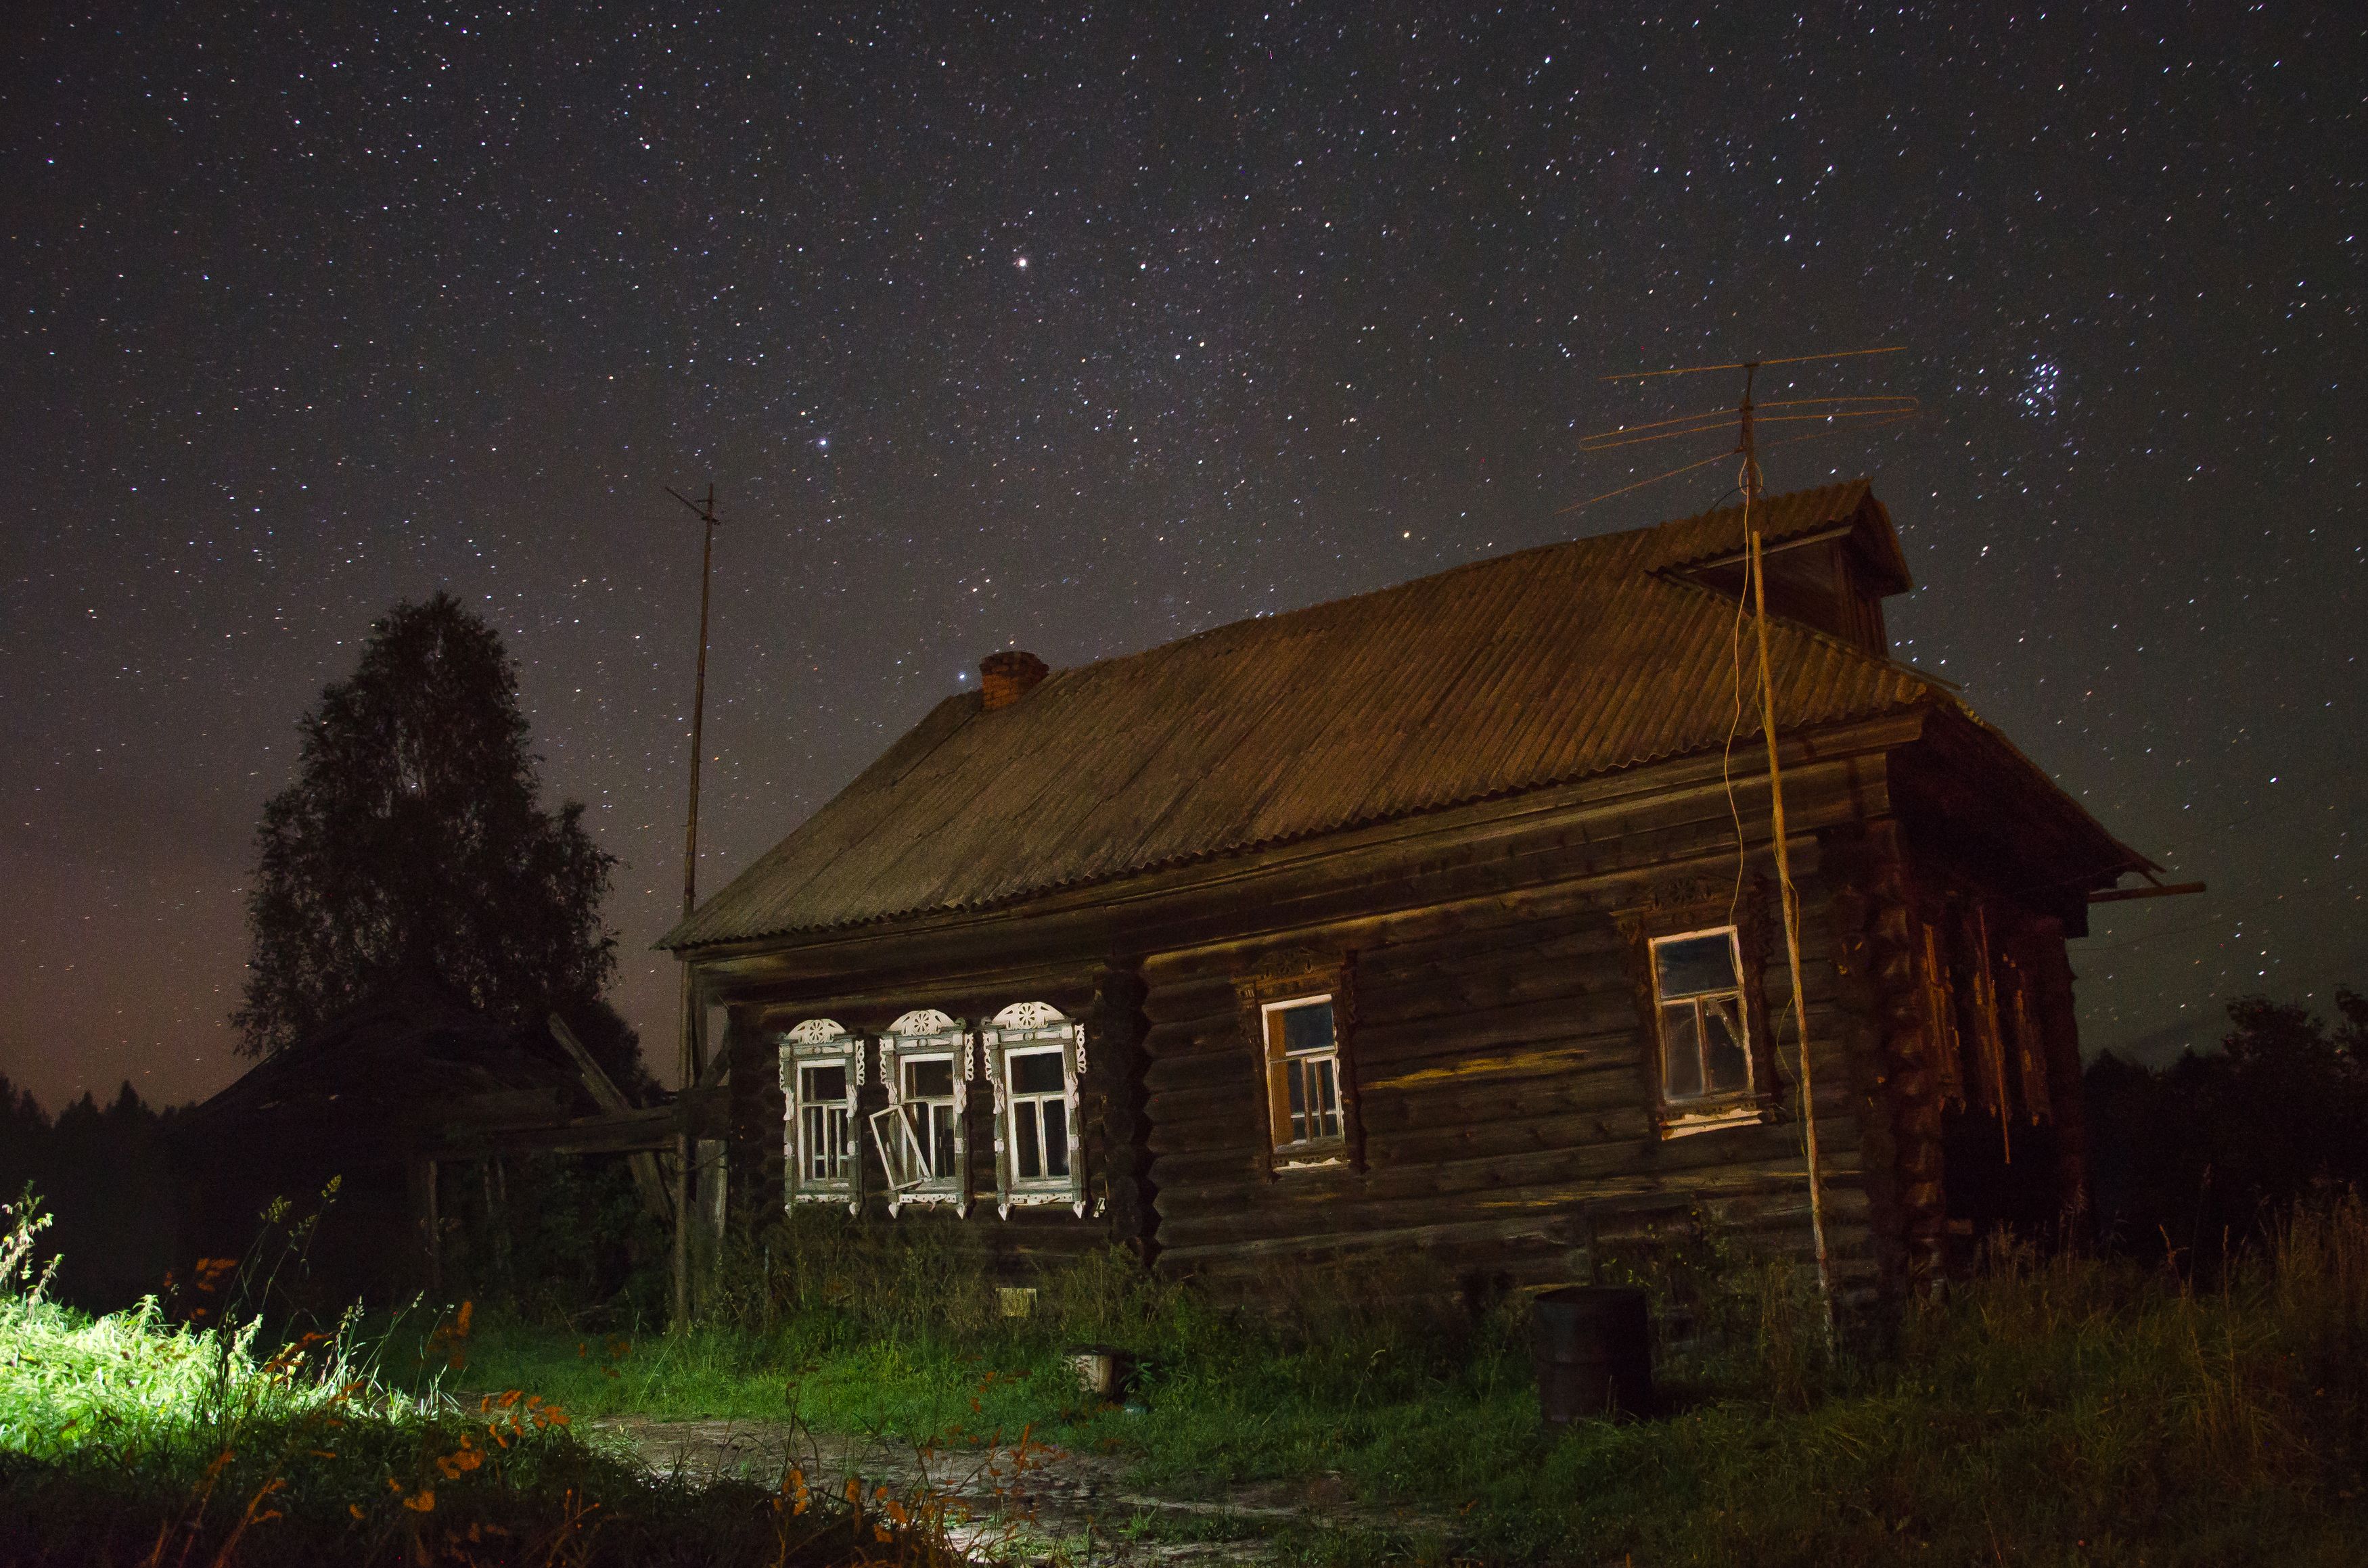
(1503, 676)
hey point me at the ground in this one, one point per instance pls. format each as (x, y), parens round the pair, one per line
(1042, 1504)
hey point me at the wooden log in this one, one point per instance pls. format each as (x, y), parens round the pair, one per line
(608, 1097)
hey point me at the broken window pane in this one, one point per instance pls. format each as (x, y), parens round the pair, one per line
(1725, 1068)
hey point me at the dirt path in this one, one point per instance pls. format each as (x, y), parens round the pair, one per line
(1046, 1506)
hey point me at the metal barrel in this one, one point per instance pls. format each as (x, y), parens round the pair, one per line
(1593, 1345)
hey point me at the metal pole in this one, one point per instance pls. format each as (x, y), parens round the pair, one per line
(1785, 894)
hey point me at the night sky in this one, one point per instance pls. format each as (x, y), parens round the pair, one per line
(1083, 331)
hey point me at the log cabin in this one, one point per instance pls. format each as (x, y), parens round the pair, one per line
(1434, 923)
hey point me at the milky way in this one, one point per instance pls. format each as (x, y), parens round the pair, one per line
(1082, 333)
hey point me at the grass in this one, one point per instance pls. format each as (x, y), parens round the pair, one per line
(169, 1437)
(2057, 1410)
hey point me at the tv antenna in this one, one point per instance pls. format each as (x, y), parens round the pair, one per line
(1746, 419)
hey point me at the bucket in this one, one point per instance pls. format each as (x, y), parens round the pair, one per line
(1593, 1344)
(1102, 1370)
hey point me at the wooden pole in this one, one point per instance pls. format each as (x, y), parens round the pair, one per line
(691, 1066)
(1786, 897)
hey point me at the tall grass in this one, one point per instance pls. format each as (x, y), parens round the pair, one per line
(165, 1435)
(2056, 1408)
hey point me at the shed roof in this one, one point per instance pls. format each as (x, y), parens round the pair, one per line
(409, 1051)
(1507, 675)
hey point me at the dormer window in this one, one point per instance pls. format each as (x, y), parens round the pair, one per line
(822, 1070)
(923, 1144)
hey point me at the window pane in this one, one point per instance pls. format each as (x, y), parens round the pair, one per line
(1291, 1076)
(941, 1161)
(1691, 965)
(1036, 1074)
(1724, 1063)
(929, 1080)
(821, 1150)
(1027, 1164)
(1056, 1138)
(1326, 1097)
(822, 1084)
(1307, 1029)
(1680, 1052)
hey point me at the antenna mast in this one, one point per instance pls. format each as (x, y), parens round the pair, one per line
(1789, 900)
(1825, 412)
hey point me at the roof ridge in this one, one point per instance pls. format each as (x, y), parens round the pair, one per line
(1461, 568)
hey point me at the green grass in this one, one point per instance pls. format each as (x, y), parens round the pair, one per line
(2055, 1411)
(136, 1440)
(2065, 1410)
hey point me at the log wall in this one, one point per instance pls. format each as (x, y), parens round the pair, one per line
(1499, 1060)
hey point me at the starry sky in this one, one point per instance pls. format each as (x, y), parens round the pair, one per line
(1082, 330)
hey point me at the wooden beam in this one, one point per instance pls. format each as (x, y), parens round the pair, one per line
(608, 1097)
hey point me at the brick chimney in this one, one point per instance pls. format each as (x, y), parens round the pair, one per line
(1004, 678)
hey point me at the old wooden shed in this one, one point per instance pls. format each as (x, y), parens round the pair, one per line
(1435, 921)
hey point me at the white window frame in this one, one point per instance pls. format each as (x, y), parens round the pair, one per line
(1711, 1109)
(820, 1042)
(920, 1035)
(1021, 1029)
(1294, 1152)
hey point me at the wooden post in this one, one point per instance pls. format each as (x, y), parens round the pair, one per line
(682, 1230)
(431, 1226)
(692, 1066)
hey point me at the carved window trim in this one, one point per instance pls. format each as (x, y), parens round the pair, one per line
(920, 1035)
(1298, 978)
(1701, 904)
(821, 1043)
(1021, 1029)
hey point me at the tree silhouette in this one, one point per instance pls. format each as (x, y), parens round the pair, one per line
(412, 845)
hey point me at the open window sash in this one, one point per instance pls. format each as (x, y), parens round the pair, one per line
(922, 1137)
(1038, 1157)
(902, 1154)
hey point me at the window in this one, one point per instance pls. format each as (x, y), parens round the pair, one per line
(1035, 1057)
(1040, 1116)
(822, 1097)
(822, 1071)
(1303, 1072)
(1297, 1009)
(923, 1143)
(1699, 1000)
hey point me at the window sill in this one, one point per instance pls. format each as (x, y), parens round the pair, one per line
(1711, 1119)
(822, 1195)
(1311, 1157)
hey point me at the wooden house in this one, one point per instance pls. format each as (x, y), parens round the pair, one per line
(1433, 923)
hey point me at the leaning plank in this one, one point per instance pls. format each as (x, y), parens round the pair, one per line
(608, 1097)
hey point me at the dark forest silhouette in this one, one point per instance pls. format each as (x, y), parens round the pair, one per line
(103, 1171)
